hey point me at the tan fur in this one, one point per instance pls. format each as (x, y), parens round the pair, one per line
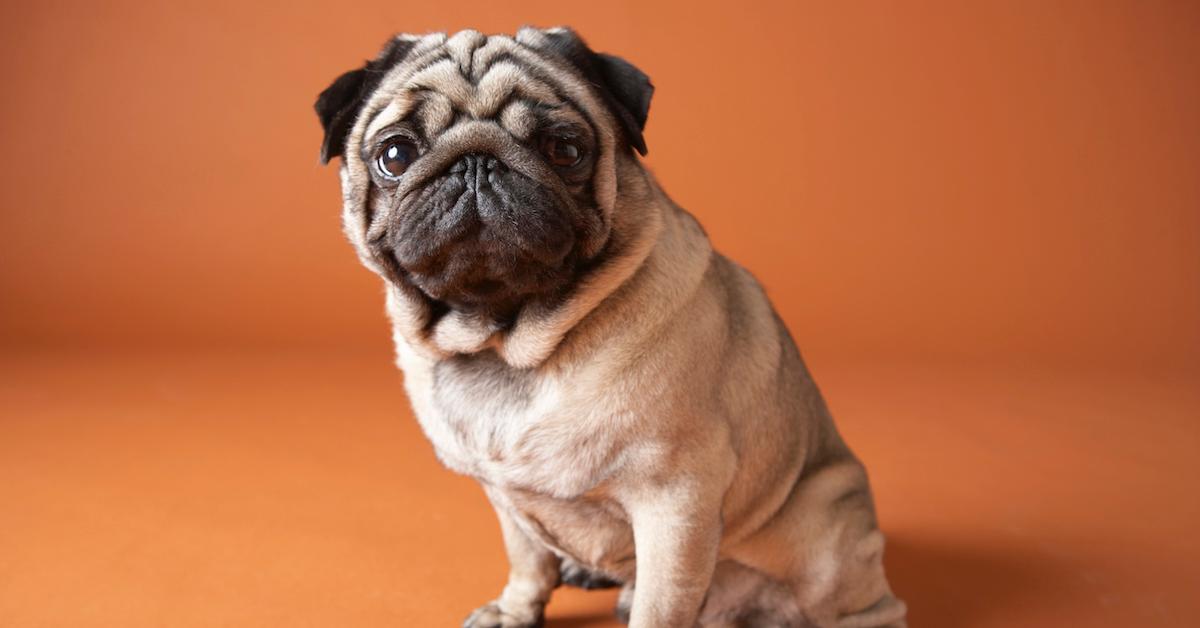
(658, 426)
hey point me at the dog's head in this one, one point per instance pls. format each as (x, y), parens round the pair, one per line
(483, 170)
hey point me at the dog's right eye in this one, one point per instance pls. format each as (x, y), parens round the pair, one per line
(396, 156)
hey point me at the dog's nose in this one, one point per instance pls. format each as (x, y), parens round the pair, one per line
(475, 164)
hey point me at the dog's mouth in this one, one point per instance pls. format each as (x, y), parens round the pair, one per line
(482, 236)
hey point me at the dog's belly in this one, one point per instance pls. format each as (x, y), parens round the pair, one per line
(591, 530)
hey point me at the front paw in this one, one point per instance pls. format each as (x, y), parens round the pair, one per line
(492, 616)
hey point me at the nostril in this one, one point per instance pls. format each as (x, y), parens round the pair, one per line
(495, 166)
(478, 169)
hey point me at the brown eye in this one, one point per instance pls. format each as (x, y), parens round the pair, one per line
(561, 151)
(396, 156)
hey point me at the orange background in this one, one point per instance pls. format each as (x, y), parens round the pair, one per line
(980, 220)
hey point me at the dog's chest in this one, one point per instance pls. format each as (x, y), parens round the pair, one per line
(511, 428)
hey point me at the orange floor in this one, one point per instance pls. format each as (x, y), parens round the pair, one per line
(297, 491)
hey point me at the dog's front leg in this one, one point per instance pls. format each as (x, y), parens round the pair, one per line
(532, 577)
(676, 531)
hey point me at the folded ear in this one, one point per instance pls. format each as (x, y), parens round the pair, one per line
(625, 89)
(336, 107)
(339, 104)
(631, 89)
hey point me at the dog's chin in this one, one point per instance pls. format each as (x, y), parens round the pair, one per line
(486, 246)
(494, 281)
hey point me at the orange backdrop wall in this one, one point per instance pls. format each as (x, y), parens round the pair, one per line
(999, 180)
(980, 220)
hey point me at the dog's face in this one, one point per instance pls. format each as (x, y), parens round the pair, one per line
(482, 170)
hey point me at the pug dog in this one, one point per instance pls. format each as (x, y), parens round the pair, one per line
(633, 407)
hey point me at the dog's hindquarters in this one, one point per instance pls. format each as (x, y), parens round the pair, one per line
(799, 516)
(825, 548)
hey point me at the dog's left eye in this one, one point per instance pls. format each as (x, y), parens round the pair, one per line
(396, 156)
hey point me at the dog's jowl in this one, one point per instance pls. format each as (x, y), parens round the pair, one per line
(628, 398)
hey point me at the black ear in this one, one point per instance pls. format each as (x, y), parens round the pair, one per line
(632, 90)
(339, 104)
(336, 107)
(625, 89)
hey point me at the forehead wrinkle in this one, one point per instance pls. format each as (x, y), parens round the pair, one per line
(435, 112)
(563, 118)
(539, 77)
(522, 118)
(497, 45)
(517, 118)
(395, 111)
(461, 48)
(444, 77)
(557, 74)
(501, 82)
(567, 83)
(390, 88)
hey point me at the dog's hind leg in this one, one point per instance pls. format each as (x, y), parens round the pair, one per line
(834, 571)
(861, 596)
